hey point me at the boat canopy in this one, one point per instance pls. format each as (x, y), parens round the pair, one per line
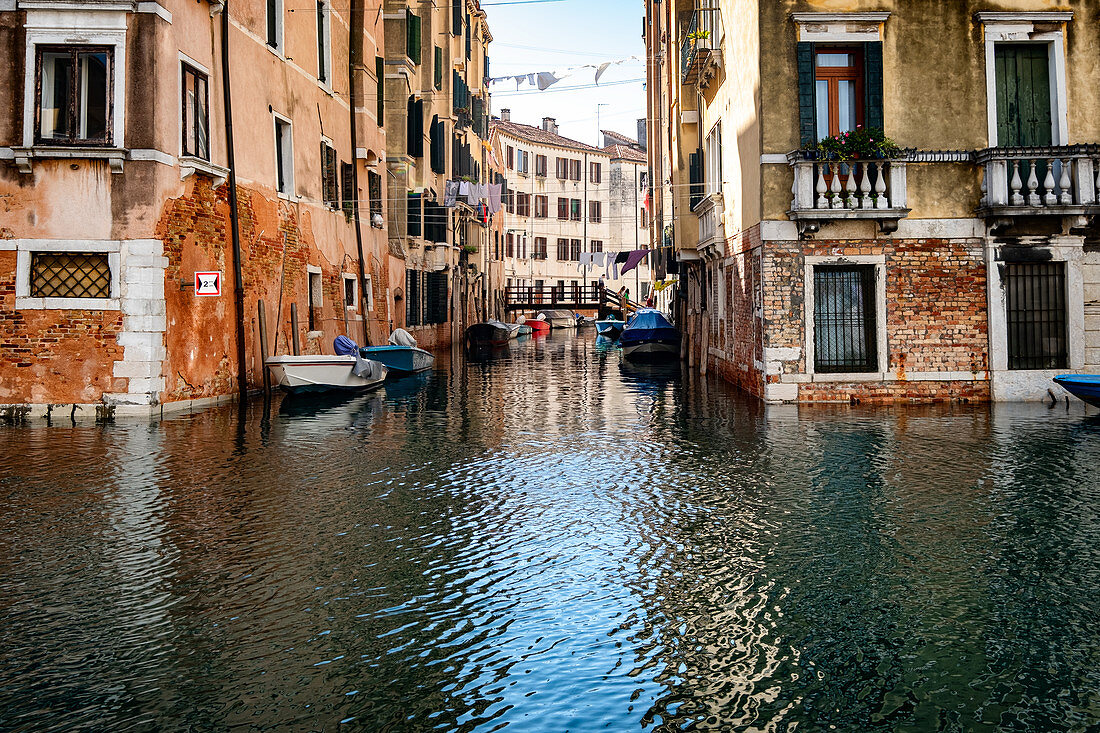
(649, 319)
(554, 314)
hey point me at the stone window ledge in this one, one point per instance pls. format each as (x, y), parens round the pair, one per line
(190, 165)
(24, 155)
(68, 304)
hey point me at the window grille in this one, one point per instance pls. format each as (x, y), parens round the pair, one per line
(70, 275)
(845, 329)
(1036, 314)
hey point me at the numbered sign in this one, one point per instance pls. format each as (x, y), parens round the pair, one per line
(208, 284)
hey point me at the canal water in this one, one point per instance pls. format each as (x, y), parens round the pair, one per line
(547, 539)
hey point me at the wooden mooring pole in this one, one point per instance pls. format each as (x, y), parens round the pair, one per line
(261, 316)
(295, 348)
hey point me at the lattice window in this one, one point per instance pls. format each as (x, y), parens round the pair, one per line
(70, 275)
(845, 330)
(1036, 314)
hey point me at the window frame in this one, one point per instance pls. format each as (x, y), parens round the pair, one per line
(26, 249)
(540, 166)
(595, 212)
(595, 172)
(283, 188)
(279, 27)
(354, 280)
(576, 213)
(330, 175)
(881, 345)
(833, 75)
(188, 65)
(324, 44)
(542, 206)
(74, 49)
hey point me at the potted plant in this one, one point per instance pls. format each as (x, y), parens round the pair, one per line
(862, 143)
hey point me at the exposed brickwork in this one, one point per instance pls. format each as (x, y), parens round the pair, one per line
(55, 356)
(894, 392)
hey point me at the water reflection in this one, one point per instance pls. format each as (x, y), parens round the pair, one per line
(553, 539)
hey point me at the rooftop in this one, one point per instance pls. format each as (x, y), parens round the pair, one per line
(541, 136)
(625, 152)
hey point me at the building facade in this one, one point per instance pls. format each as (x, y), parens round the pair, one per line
(959, 264)
(436, 111)
(563, 222)
(119, 176)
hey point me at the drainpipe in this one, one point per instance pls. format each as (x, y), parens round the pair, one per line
(355, 51)
(234, 221)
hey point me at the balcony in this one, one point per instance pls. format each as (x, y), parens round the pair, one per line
(700, 52)
(1040, 181)
(829, 190)
(712, 232)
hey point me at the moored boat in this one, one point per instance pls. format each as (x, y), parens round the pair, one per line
(612, 328)
(400, 360)
(1085, 387)
(489, 332)
(524, 329)
(538, 326)
(558, 318)
(326, 373)
(648, 336)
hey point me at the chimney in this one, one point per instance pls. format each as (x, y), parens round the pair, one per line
(506, 115)
(549, 124)
(642, 134)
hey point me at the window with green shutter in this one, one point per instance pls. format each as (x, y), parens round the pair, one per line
(839, 88)
(380, 88)
(1023, 95)
(412, 36)
(438, 67)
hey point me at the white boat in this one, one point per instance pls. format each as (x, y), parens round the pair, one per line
(325, 373)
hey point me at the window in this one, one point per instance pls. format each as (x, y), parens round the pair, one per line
(348, 194)
(324, 52)
(540, 248)
(643, 214)
(712, 168)
(575, 170)
(412, 297)
(563, 250)
(74, 97)
(595, 245)
(1024, 110)
(523, 204)
(284, 156)
(561, 168)
(380, 89)
(845, 329)
(510, 157)
(329, 193)
(316, 299)
(438, 70)
(275, 24)
(521, 247)
(511, 240)
(542, 207)
(196, 115)
(412, 36)
(838, 90)
(575, 209)
(595, 212)
(563, 209)
(350, 294)
(540, 166)
(575, 250)
(1036, 315)
(522, 161)
(374, 194)
(437, 295)
(70, 275)
(595, 172)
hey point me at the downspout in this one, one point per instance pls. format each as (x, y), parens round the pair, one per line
(355, 51)
(234, 220)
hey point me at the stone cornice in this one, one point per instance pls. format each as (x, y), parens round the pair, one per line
(872, 17)
(989, 17)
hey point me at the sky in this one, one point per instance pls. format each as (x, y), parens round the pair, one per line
(552, 35)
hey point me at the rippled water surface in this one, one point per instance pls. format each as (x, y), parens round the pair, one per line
(550, 540)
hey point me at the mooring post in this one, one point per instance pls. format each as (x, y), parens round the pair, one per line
(295, 349)
(262, 320)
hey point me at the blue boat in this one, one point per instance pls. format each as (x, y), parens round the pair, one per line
(400, 360)
(649, 336)
(1086, 387)
(612, 328)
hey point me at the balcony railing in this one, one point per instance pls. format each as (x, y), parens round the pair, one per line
(699, 50)
(874, 189)
(1040, 180)
(689, 47)
(711, 229)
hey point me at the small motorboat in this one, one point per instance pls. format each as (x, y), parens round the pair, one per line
(585, 321)
(610, 327)
(326, 373)
(1085, 387)
(648, 336)
(493, 333)
(558, 318)
(400, 360)
(524, 329)
(538, 326)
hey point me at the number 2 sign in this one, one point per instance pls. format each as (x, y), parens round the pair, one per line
(208, 284)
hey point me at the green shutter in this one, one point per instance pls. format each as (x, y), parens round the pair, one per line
(380, 75)
(438, 67)
(807, 110)
(412, 39)
(872, 64)
(1023, 95)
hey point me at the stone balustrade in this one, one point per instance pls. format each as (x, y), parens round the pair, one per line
(1041, 180)
(872, 189)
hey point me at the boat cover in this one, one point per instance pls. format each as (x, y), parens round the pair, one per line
(365, 368)
(649, 324)
(401, 337)
(343, 346)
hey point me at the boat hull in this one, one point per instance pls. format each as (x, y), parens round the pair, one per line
(610, 329)
(659, 350)
(1085, 387)
(538, 326)
(297, 374)
(400, 360)
(488, 333)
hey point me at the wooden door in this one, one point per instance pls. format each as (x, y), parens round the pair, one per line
(1024, 115)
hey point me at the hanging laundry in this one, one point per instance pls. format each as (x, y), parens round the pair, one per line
(450, 194)
(494, 197)
(547, 79)
(599, 259)
(632, 260)
(602, 68)
(464, 188)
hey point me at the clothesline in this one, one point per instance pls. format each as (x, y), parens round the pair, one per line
(543, 80)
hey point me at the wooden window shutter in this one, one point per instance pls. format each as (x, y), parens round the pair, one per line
(412, 38)
(807, 114)
(438, 71)
(380, 75)
(695, 178)
(872, 64)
